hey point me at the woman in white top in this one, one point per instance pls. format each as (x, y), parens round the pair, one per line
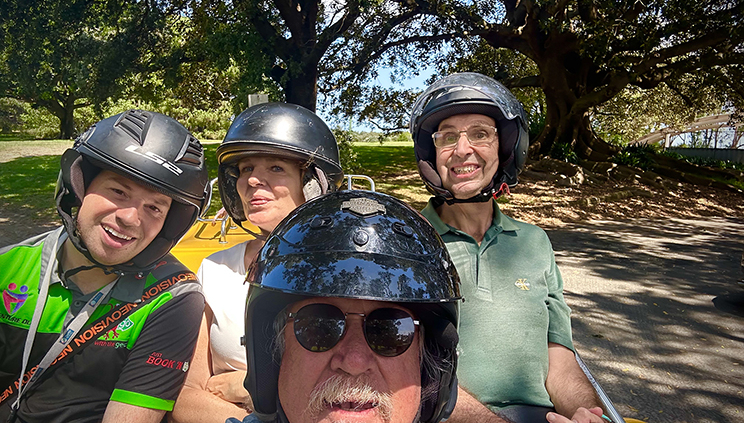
(274, 157)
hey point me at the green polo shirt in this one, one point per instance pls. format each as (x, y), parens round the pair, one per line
(513, 306)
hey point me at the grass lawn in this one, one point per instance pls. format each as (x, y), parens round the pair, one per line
(393, 168)
(14, 137)
(28, 186)
(29, 181)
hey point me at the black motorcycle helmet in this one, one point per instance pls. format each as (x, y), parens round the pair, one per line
(151, 149)
(470, 93)
(279, 129)
(394, 256)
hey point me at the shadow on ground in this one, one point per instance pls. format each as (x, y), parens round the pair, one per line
(658, 315)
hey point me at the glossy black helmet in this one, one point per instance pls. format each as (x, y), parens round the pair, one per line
(362, 245)
(470, 93)
(284, 130)
(151, 149)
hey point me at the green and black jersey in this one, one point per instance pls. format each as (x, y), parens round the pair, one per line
(142, 361)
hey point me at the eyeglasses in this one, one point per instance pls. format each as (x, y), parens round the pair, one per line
(388, 331)
(477, 135)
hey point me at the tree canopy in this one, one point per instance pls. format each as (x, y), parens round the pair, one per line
(302, 45)
(583, 53)
(62, 55)
(587, 52)
(579, 66)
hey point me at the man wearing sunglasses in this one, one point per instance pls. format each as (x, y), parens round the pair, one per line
(516, 352)
(352, 316)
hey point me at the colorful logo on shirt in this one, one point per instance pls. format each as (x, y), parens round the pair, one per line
(13, 301)
(126, 324)
(522, 284)
(117, 333)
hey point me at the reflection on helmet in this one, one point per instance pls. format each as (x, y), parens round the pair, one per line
(279, 129)
(470, 93)
(151, 149)
(354, 244)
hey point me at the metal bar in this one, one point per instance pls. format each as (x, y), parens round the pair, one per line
(350, 178)
(609, 407)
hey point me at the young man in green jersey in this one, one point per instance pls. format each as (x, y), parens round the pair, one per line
(98, 321)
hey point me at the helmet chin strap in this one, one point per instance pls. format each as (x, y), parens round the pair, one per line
(280, 415)
(261, 237)
(77, 242)
(106, 270)
(483, 197)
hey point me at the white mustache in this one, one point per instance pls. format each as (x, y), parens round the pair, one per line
(346, 389)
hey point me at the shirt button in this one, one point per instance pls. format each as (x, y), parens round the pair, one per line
(78, 303)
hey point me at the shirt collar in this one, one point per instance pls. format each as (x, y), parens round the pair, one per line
(430, 213)
(500, 221)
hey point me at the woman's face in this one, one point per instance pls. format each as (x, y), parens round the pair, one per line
(269, 188)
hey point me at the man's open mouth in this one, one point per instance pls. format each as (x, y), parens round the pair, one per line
(354, 406)
(116, 234)
(462, 170)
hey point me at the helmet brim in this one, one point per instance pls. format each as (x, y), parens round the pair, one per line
(369, 276)
(235, 152)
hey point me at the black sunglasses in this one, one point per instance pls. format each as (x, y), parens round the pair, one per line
(388, 331)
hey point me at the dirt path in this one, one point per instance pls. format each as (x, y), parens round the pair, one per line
(657, 314)
(10, 150)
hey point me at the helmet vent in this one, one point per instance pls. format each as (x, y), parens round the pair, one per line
(133, 123)
(193, 153)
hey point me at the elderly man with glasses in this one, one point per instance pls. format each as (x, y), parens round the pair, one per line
(516, 353)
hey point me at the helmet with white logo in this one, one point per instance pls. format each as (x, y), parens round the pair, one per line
(284, 130)
(151, 149)
(470, 93)
(361, 245)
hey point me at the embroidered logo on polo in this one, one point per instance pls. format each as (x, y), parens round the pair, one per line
(522, 284)
(13, 301)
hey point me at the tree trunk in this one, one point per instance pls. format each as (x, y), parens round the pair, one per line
(67, 121)
(64, 109)
(568, 124)
(737, 137)
(302, 88)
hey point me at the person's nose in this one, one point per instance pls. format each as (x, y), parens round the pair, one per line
(352, 355)
(129, 214)
(463, 147)
(257, 178)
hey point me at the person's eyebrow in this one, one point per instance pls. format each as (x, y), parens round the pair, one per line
(476, 122)
(160, 201)
(126, 183)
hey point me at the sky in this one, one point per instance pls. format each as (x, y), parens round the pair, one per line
(383, 79)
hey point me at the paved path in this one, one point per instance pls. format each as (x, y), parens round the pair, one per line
(658, 316)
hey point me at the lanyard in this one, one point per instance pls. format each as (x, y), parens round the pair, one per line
(67, 334)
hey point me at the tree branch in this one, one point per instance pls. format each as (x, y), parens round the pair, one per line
(387, 128)
(355, 69)
(525, 81)
(664, 55)
(276, 44)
